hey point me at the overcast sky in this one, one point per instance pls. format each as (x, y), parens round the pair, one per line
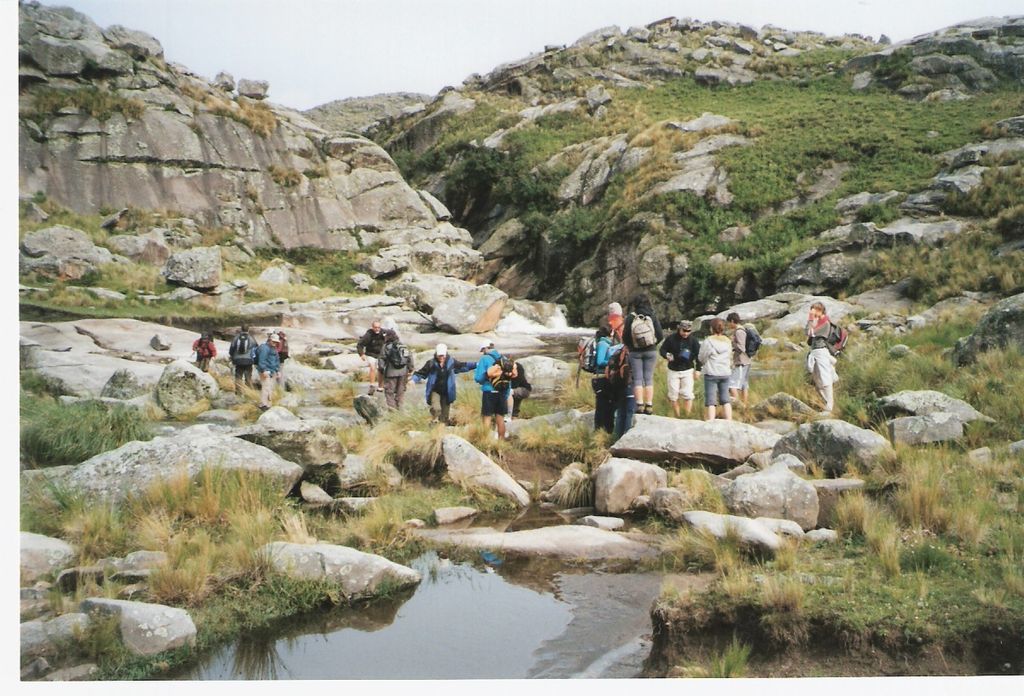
(314, 51)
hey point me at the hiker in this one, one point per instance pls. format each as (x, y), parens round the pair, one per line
(641, 333)
(716, 358)
(372, 344)
(395, 368)
(282, 352)
(604, 401)
(681, 348)
(268, 364)
(440, 371)
(619, 374)
(519, 389)
(820, 361)
(739, 382)
(241, 353)
(494, 374)
(205, 351)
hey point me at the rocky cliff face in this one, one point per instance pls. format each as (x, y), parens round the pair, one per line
(359, 114)
(105, 122)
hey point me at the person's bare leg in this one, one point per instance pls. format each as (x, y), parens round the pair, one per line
(727, 411)
(487, 422)
(638, 394)
(500, 420)
(675, 407)
(687, 407)
(649, 394)
(709, 414)
(744, 393)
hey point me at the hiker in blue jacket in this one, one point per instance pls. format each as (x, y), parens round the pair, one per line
(440, 371)
(268, 365)
(493, 399)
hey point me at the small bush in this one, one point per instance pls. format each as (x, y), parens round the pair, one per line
(101, 104)
(286, 177)
(926, 557)
(732, 662)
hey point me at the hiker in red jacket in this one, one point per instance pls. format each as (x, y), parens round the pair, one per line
(205, 351)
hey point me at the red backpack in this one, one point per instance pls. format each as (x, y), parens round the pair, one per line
(618, 371)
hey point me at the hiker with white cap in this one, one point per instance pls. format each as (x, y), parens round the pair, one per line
(494, 373)
(268, 365)
(439, 372)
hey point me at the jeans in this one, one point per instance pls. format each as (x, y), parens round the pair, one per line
(242, 372)
(625, 408)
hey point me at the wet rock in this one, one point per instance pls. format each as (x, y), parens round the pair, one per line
(477, 311)
(822, 536)
(775, 492)
(145, 629)
(830, 491)
(781, 404)
(618, 481)
(572, 541)
(607, 523)
(832, 443)
(61, 252)
(926, 402)
(51, 638)
(359, 575)
(42, 555)
(198, 269)
(469, 467)
(450, 515)
(133, 467)
(182, 387)
(720, 444)
(921, 430)
(751, 532)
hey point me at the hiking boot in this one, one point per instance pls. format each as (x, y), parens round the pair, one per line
(648, 409)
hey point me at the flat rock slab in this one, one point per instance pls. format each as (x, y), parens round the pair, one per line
(719, 444)
(359, 575)
(750, 532)
(925, 402)
(561, 541)
(607, 523)
(146, 629)
(451, 515)
(42, 555)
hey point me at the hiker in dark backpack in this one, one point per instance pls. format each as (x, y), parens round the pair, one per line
(494, 373)
(395, 368)
(205, 350)
(241, 354)
(619, 374)
(739, 382)
(595, 356)
(641, 333)
(519, 389)
(282, 352)
(823, 336)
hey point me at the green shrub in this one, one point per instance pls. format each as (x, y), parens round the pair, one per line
(53, 434)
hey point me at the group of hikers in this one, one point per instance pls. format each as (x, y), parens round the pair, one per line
(622, 356)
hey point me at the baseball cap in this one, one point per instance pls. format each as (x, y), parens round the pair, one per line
(615, 308)
(486, 345)
(441, 349)
(274, 337)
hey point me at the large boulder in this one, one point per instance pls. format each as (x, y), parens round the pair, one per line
(570, 541)
(135, 466)
(925, 402)
(151, 247)
(199, 268)
(359, 575)
(1002, 326)
(42, 555)
(61, 252)
(137, 44)
(145, 629)
(750, 532)
(775, 492)
(182, 386)
(832, 443)
(618, 482)
(50, 638)
(123, 384)
(425, 292)
(476, 311)
(470, 468)
(308, 444)
(922, 430)
(545, 374)
(719, 444)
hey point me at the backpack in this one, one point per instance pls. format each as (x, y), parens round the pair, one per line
(587, 355)
(396, 355)
(836, 339)
(753, 340)
(242, 349)
(642, 330)
(203, 348)
(502, 372)
(618, 371)
(252, 352)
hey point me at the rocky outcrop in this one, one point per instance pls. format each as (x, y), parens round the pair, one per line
(1002, 326)
(309, 444)
(359, 114)
(358, 575)
(618, 482)
(720, 444)
(145, 629)
(469, 467)
(832, 443)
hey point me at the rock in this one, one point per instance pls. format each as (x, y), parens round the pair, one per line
(750, 532)
(571, 479)
(134, 467)
(597, 96)
(718, 76)
(308, 444)
(848, 207)
(545, 374)
(470, 468)
(618, 481)
(354, 505)
(158, 342)
(280, 273)
(83, 672)
(253, 89)
(669, 503)
(359, 575)
(425, 292)
(35, 669)
(361, 281)
(735, 234)
(720, 444)
(42, 555)
(832, 443)
(707, 121)
(123, 385)
(225, 81)
(926, 402)
(450, 515)
(314, 494)
(146, 629)
(277, 416)
(921, 430)
(779, 427)
(571, 541)
(607, 523)
(733, 474)
(562, 421)
(899, 350)
(50, 638)
(1002, 326)
(369, 408)
(477, 311)
(354, 471)
(822, 536)
(829, 493)
(221, 416)
(198, 269)
(982, 455)
(781, 404)
(183, 386)
(61, 252)
(137, 44)
(1017, 447)
(775, 492)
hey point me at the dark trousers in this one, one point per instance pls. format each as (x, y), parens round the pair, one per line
(604, 405)
(394, 390)
(243, 372)
(518, 394)
(439, 407)
(625, 408)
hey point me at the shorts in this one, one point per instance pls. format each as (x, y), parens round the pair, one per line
(740, 377)
(716, 390)
(642, 364)
(680, 384)
(493, 403)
